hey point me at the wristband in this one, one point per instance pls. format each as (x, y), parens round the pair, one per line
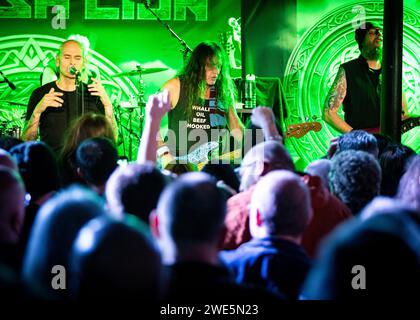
(162, 151)
(275, 138)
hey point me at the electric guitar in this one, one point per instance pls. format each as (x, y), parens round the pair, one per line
(409, 124)
(300, 129)
(203, 155)
(406, 125)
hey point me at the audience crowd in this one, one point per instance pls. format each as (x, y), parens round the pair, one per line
(76, 226)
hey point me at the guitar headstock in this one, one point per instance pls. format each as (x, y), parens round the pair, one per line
(226, 40)
(300, 129)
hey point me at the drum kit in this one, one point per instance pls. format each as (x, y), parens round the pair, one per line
(10, 125)
(134, 103)
(139, 71)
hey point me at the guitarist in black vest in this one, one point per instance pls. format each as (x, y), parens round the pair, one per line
(202, 102)
(357, 86)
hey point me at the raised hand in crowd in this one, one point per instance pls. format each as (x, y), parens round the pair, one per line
(263, 117)
(157, 106)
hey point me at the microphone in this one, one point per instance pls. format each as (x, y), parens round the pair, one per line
(73, 70)
(11, 85)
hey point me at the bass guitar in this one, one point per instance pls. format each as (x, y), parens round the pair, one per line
(300, 129)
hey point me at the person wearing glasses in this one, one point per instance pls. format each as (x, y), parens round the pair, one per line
(357, 86)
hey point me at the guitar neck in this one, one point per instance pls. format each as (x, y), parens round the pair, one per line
(229, 156)
(409, 124)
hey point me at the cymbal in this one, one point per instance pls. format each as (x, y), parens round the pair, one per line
(13, 103)
(138, 71)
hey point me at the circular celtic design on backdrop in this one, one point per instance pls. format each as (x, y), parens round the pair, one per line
(314, 63)
(23, 59)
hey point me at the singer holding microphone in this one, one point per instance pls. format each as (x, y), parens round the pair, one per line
(53, 106)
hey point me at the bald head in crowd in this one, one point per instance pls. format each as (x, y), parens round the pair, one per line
(135, 189)
(193, 208)
(409, 186)
(320, 168)
(12, 207)
(261, 159)
(7, 160)
(190, 214)
(118, 262)
(280, 206)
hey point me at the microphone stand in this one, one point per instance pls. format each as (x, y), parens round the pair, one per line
(79, 85)
(186, 49)
(5, 80)
(121, 136)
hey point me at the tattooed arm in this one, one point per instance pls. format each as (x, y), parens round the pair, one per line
(333, 101)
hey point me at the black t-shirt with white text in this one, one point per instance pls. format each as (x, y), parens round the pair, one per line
(206, 122)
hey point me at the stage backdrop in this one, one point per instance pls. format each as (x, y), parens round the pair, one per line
(122, 35)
